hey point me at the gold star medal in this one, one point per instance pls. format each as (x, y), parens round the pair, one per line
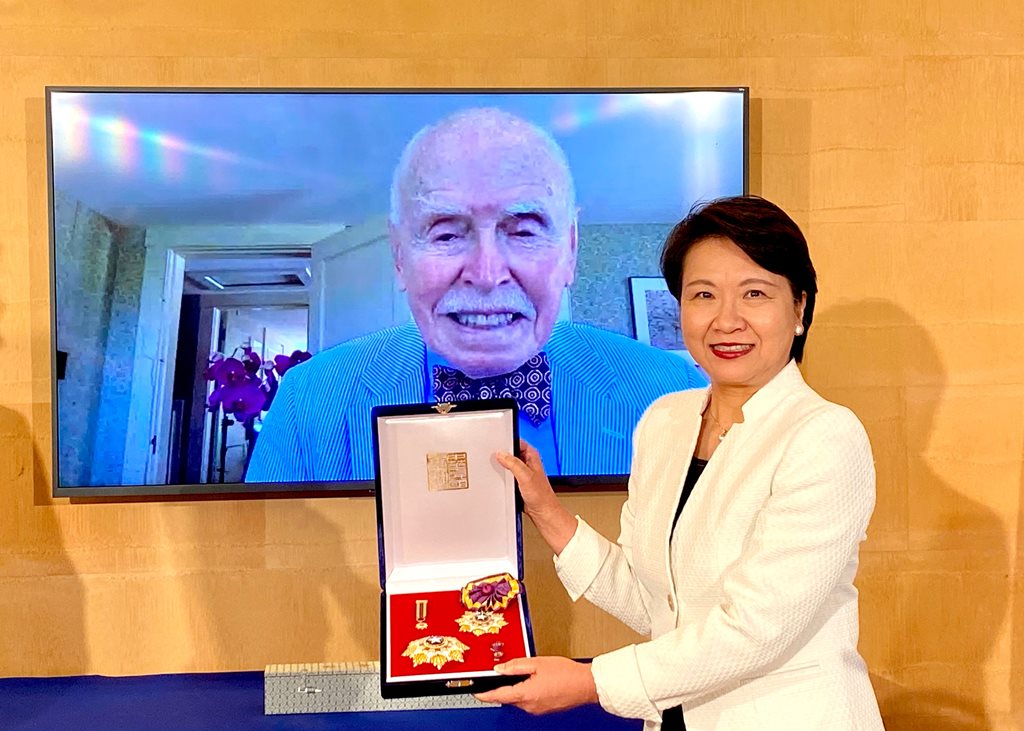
(436, 650)
(481, 622)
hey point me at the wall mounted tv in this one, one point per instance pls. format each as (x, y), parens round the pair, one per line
(240, 275)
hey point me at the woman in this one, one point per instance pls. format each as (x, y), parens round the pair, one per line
(747, 504)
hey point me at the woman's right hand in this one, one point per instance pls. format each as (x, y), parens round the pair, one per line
(534, 485)
(555, 523)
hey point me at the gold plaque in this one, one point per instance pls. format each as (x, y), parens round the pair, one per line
(447, 471)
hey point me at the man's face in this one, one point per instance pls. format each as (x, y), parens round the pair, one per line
(484, 248)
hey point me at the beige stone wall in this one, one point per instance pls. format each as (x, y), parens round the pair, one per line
(891, 130)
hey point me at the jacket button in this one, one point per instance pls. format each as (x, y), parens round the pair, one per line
(671, 603)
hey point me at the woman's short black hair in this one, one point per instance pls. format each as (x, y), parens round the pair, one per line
(762, 231)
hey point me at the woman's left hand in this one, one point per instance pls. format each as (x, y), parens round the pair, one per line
(555, 684)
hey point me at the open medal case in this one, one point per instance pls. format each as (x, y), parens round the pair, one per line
(453, 599)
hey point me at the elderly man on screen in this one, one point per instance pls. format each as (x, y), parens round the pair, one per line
(484, 236)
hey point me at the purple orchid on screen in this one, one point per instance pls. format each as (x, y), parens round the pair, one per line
(246, 385)
(283, 362)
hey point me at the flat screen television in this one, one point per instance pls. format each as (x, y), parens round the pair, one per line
(239, 275)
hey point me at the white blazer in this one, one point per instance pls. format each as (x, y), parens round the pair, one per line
(751, 609)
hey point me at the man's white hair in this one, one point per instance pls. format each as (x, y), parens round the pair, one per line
(489, 120)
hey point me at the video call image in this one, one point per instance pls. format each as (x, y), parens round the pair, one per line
(240, 277)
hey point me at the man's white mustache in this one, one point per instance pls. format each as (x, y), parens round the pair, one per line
(469, 302)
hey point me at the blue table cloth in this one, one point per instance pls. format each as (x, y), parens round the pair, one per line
(233, 702)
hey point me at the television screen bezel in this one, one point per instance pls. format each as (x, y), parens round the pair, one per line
(350, 488)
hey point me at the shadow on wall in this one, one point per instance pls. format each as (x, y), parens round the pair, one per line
(41, 597)
(933, 572)
(299, 586)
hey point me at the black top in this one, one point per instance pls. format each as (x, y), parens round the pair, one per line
(692, 475)
(672, 718)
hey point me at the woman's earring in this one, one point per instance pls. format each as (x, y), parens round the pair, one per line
(799, 330)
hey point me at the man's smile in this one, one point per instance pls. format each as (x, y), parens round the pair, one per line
(484, 320)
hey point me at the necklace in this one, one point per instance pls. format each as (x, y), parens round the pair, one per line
(718, 425)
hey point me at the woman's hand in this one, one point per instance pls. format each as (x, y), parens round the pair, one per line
(555, 684)
(534, 486)
(556, 525)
